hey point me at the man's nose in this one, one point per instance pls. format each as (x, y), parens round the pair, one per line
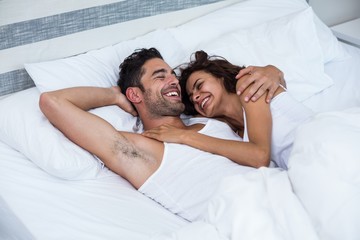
(173, 80)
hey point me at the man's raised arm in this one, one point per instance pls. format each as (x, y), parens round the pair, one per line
(67, 109)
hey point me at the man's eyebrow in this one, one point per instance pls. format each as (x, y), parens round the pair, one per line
(162, 70)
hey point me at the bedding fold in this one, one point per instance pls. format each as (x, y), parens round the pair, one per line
(257, 205)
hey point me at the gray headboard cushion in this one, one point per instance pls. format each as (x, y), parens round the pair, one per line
(15, 35)
(15, 81)
(45, 28)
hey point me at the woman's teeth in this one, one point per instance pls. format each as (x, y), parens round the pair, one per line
(203, 103)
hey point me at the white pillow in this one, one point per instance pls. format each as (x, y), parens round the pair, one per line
(331, 48)
(38, 139)
(162, 39)
(95, 68)
(100, 67)
(26, 129)
(290, 43)
(248, 14)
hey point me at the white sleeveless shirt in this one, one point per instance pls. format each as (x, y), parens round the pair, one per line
(187, 177)
(287, 114)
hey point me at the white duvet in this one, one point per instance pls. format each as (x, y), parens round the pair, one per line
(258, 205)
(317, 198)
(324, 169)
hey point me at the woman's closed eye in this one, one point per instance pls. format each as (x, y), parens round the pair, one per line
(198, 86)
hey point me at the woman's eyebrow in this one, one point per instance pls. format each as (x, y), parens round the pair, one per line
(195, 84)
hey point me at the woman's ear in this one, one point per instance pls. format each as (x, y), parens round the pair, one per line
(133, 94)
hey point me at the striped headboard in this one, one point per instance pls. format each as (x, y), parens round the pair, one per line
(50, 30)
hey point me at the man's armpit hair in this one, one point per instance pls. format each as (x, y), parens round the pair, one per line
(127, 149)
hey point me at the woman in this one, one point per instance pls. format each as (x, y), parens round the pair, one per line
(209, 88)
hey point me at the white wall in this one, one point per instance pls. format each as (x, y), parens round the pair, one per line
(333, 12)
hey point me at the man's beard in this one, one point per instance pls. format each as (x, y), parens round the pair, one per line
(158, 106)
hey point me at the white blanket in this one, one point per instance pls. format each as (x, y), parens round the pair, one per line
(324, 169)
(324, 173)
(258, 205)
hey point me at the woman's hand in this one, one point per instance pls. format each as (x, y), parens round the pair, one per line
(165, 133)
(263, 79)
(123, 102)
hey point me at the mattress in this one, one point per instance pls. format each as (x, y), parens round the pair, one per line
(36, 205)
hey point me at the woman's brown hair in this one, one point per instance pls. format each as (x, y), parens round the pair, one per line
(215, 65)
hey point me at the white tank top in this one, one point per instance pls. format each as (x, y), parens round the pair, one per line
(287, 114)
(187, 177)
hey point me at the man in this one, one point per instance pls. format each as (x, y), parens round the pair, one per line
(187, 176)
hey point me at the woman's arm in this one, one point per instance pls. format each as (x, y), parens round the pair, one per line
(243, 153)
(259, 127)
(255, 153)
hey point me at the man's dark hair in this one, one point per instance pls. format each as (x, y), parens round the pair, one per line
(131, 69)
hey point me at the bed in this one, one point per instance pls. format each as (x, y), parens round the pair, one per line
(52, 189)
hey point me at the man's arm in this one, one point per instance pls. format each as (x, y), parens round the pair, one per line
(261, 80)
(124, 153)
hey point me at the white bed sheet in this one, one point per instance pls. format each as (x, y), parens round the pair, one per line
(36, 205)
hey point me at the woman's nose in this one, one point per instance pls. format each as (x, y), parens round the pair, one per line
(196, 96)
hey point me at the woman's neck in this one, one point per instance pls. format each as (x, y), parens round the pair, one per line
(233, 113)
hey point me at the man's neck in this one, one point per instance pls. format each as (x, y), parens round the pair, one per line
(150, 123)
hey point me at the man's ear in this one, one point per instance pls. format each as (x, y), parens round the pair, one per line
(134, 95)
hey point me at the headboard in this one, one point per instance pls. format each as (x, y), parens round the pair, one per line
(56, 29)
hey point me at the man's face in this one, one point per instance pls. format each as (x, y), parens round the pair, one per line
(162, 95)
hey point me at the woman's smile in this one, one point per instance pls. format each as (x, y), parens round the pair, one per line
(204, 102)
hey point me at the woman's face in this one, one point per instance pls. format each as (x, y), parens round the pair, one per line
(205, 92)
